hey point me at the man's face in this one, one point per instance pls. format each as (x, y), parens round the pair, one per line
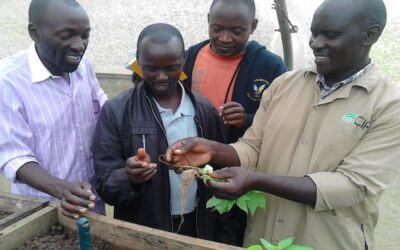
(161, 65)
(62, 37)
(229, 28)
(337, 36)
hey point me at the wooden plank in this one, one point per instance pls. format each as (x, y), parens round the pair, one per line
(27, 228)
(19, 207)
(132, 236)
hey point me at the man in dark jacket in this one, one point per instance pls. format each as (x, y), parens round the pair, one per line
(227, 69)
(136, 127)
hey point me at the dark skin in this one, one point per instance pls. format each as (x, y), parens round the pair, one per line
(198, 151)
(229, 29)
(341, 41)
(61, 38)
(60, 41)
(161, 66)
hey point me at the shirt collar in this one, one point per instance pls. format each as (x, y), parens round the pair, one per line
(39, 72)
(184, 108)
(368, 83)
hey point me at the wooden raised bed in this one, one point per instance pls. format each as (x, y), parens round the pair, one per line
(118, 233)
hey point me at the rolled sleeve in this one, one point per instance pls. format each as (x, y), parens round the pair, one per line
(335, 190)
(12, 167)
(16, 137)
(369, 169)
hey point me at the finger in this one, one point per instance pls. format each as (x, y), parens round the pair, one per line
(232, 111)
(88, 188)
(223, 173)
(80, 194)
(229, 105)
(141, 154)
(71, 210)
(170, 151)
(70, 215)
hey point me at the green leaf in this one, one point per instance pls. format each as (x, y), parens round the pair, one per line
(213, 202)
(222, 207)
(254, 247)
(257, 200)
(267, 245)
(230, 204)
(295, 247)
(241, 203)
(286, 243)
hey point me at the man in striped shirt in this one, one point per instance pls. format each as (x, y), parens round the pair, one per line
(49, 103)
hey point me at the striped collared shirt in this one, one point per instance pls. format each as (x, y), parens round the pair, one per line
(325, 90)
(44, 119)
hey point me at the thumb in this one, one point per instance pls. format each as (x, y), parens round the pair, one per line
(141, 154)
(220, 174)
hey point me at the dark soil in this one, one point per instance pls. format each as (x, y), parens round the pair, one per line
(3, 214)
(57, 238)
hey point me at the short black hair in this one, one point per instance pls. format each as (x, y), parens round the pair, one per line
(38, 8)
(249, 3)
(159, 33)
(374, 12)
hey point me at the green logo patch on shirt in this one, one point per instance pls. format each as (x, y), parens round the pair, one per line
(350, 117)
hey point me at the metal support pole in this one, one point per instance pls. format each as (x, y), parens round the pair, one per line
(285, 28)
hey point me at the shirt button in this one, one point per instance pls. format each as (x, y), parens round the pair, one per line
(81, 148)
(317, 108)
(304, 141)
(280, 220)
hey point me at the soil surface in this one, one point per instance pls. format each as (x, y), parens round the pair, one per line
(57, 238)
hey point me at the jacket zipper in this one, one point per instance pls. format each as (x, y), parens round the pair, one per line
(165, 134)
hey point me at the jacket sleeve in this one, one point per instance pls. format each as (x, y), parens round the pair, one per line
(111, 181)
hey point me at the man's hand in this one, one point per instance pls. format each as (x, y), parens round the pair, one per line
(238, 182)
(193, 151)
(76, 198)
(233, 114)
(139, 167)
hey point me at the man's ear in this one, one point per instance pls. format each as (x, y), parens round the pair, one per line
(33, 32)
(254, 25)
(372, 34)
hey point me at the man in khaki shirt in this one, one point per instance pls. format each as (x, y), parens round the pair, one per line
(324, 143)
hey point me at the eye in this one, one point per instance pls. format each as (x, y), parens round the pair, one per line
(64, 35)
(86, 35)
(173, 68)
(216, 29)
(331, 34)
(237, 32)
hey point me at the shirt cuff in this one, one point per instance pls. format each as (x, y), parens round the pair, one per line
(244, 155)
(11, 168)
(334, 190)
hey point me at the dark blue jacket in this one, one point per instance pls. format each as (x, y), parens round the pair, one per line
(257, 70)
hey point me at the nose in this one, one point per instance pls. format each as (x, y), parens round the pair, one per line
(78, 44)
(161, 76)
(225, 36)
(316, 42)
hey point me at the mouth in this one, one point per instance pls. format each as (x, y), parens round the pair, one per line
(162, 86)
(321, 58)
(73, 59)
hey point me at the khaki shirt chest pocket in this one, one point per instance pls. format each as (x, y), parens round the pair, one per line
(342, 139)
